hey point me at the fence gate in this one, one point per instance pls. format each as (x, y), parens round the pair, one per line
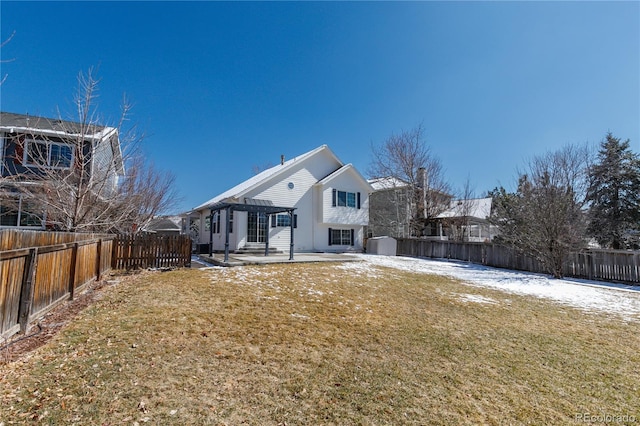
(133, 251)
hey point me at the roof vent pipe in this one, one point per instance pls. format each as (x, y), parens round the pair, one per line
(282, 160)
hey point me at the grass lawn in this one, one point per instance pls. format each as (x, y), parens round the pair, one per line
(309, 344)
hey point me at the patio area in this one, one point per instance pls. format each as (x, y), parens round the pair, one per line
(236, 259)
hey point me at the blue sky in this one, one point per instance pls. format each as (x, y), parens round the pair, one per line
(221, 87)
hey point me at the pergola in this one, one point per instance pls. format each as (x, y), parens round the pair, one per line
(250, 205)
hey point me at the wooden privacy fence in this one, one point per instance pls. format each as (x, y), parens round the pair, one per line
(605, 265)
(12, 239)
(34, 280)
(39, 270)
(151, 251)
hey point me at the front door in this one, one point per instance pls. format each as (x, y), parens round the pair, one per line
(256, 227)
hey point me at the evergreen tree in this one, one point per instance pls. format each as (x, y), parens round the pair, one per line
(614, 194)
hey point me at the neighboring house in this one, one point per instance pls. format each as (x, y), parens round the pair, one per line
(390, 208)
(313, 203)
(164, 225)
(464, 220)
(33, 148)
(401, 210)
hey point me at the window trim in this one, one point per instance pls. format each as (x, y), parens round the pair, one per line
(29, 161)
(25, 217)
(276, 223)
(347, 199)
(346, 235)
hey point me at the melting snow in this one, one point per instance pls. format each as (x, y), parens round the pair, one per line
(476, 298)
(587, 295)
(592, 296)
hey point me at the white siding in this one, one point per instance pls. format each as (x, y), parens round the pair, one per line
(322, 240)
(340, 215)
(303, 176)
(312, 201)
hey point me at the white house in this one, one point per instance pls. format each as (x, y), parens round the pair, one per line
(311, 203)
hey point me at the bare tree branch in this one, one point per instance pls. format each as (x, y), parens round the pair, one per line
(406, 162)
(544, 217)
(3, 44)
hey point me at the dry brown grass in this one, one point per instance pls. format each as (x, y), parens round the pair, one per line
(307, 344)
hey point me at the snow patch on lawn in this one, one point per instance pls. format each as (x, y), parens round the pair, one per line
(476, 298)
(591, 296)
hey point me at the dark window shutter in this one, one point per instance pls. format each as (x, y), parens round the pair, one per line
(358, 201)
(19, 150)
(330, 242)
(218, 223)
(295, 220)
(273, 220)
(334, 196)
(352, 235)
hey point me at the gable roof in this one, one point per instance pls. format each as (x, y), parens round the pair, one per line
(162, 224)
(54, 127)
(387, 183)
(345, 169)
(13, 123)
(270, 173)
(477, 207)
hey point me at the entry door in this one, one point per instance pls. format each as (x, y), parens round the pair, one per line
(256, 227)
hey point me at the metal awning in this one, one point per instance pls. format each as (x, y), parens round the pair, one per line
(248, 205)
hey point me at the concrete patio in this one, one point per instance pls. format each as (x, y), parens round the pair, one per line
(235, 259)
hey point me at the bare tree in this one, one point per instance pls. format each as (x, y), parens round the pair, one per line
(462, 210)
(407, 163)
(544, 217)
(86, 176)
(2, 45)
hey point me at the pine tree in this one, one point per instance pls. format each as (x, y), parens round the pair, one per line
(614, 194)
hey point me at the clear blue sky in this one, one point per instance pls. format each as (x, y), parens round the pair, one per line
(222, 87)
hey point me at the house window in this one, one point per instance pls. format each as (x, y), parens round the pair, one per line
(20, 212)
(8, 216)
(216, 223)
(283, 220)
(345, 199)
(207, 223)
(341, 237)
(48, 154)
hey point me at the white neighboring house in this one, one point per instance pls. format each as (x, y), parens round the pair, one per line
(324, 202)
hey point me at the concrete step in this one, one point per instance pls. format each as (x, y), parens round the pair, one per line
(256, 250)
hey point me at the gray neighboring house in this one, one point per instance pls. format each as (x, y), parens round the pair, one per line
(395, 211)
(31, 144)
(401, 210)
(389, 208)
(164, 225)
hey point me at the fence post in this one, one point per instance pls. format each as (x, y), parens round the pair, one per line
(26, 291)
(98, 259)
(114, 253)
(72, 272)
